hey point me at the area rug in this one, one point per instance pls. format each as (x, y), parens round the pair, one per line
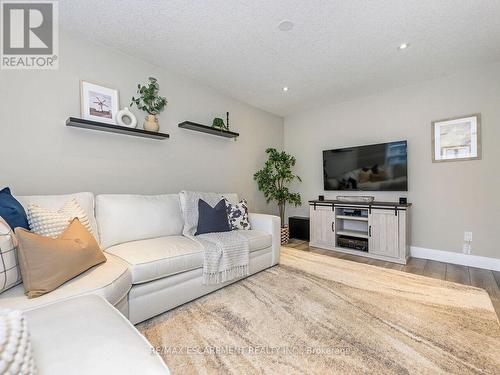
(315, 314)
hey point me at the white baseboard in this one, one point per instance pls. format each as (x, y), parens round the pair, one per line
(456, 258)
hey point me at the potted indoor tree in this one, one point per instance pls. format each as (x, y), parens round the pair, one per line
(149, 101)
(273, 181)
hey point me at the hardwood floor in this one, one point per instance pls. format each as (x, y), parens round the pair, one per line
(485, 279)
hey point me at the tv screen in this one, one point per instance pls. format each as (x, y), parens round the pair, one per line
(380, 167)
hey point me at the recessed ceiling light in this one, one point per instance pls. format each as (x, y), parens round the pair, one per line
(285, 25)
(403, 46)
(285, 89)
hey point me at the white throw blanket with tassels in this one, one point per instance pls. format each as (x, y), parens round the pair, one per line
(226, 254)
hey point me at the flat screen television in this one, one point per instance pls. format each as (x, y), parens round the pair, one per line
(380, 167)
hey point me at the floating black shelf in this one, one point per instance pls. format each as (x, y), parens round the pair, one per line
(207, 129)
(101, 126)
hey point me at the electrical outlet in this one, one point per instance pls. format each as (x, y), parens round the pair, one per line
(468, 236)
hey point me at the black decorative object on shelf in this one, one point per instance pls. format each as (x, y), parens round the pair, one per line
(207, 129)
(94, 125)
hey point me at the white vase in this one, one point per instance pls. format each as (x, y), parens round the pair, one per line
(125, 112)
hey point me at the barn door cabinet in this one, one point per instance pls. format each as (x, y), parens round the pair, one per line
(322, 222)
(378, 230)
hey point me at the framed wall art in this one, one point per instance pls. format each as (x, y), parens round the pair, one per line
(98, 103)
(456, 139)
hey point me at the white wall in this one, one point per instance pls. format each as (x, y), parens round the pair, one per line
(448, 198)
(40, 155)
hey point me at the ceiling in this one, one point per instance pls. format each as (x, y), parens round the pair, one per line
(336, 51)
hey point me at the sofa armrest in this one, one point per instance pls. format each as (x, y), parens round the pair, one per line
(270, 224)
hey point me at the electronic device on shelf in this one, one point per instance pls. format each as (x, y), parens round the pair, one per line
(353, 212)
(352, 243)
(355, 199)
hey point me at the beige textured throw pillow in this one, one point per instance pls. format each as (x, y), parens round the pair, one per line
(52, 223)
(16, 356)
(47, 263)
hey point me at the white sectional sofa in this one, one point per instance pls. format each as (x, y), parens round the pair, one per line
(151, 267)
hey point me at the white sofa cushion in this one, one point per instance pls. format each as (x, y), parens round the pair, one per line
(257, 239)
(159, 257)
(55, 202)
(86, 335)
(111, 280)
(165, 256)
(122, 218)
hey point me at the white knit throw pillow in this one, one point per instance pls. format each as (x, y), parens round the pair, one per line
(52, 223)
(16, 356)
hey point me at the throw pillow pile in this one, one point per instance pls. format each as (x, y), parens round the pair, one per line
(223, 217)
(59, 246)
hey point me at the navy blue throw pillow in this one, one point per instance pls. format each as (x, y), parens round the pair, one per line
(212, 219)
(12, 211)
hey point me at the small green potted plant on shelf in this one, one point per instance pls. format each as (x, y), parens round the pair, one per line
(151, 102)
(273, 180)
(218, 123)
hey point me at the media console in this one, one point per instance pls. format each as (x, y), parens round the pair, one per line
(378, 230)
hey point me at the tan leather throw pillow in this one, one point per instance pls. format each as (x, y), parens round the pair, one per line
(46, 263)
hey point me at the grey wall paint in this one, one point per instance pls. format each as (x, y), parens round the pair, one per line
(40, 155)
(449, 198)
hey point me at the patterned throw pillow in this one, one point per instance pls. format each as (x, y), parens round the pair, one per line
(10, 274)
(50, 223)
(238, 215)
(16, 356)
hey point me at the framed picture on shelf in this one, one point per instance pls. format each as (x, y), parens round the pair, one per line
(456, 139)
(98, 103)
